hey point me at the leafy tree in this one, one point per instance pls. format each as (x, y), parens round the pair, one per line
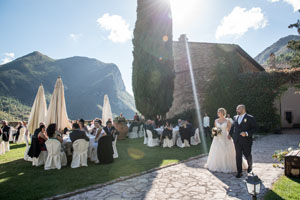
(295, 45)
(153, 72)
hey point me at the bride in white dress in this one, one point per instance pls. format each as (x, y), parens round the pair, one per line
(221, 156)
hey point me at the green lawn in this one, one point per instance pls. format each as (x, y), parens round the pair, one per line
(19, 180)
(285, 188)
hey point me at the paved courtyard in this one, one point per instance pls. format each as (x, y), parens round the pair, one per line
(190, 180)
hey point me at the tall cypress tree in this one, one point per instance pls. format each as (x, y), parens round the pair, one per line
(295, 46)
(153, 71)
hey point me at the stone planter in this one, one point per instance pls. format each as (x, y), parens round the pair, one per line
(122, 128)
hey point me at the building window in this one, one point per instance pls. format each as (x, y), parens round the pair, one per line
(289, 117)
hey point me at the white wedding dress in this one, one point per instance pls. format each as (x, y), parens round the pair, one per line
(221, 156)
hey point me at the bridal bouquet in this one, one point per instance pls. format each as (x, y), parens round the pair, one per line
(215, 131)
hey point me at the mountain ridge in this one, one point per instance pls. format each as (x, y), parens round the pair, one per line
(279, 47)
(86, 81)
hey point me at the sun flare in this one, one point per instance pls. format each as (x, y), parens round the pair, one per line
(184, 10)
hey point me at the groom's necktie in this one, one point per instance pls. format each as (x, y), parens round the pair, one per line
(239, 120)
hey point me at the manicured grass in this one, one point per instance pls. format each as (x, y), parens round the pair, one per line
(20, 180)
(285, 188)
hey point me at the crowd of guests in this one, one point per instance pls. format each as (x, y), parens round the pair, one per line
(42, 134)
(6, 130)
(186, 129)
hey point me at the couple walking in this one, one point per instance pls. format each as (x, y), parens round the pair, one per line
(227, 149)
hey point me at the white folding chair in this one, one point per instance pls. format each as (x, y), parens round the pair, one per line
(80, 153)
(114, 144)
(152, 142)
(195, 140)
(6, 147)
(141, 132)
(168, 142)
(21, 138)
(40, 160)
(2, 146)
(182, 145)
(134, 133)
(55, 156)
(145, 137)
(26, 157)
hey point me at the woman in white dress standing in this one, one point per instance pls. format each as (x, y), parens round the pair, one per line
(221, 156)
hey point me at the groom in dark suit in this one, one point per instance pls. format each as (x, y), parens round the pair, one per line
(241, 131)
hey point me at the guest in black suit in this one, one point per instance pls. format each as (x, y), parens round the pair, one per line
(242, 130)
(167, 132)
(185, 132)
(150, 126)
(110, 130)
(5, 131)
(77, 133)
(17, 134)
(134, 124)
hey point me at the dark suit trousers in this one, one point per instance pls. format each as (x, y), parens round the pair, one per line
(243, 146)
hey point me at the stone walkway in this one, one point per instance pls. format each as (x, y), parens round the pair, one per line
(191, 180)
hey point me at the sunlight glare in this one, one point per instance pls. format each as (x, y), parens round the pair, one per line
(183, 11)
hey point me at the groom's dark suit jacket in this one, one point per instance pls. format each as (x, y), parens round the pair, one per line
(248, 125)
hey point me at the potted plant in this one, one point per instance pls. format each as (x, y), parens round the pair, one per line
(120, 124)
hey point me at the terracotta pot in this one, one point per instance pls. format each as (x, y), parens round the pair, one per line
(122, 128)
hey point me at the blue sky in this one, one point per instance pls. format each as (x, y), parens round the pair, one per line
(103, 29)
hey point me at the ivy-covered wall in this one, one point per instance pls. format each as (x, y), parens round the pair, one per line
(256, 90)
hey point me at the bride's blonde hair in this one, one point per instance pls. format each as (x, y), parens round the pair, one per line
(223, 111)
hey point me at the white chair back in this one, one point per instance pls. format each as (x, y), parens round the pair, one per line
(141, 132)
(133, 133)
(145, 137)
(168, 143)
(80, 152)
(2, 146)
(41, 160)
(195, 140)
(6, 146)
(182, 145)
(26, 157)
(21, 138)
(114, 144)
(151, 142)
(53, 159)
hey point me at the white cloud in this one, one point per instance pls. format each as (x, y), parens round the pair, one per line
(74, 36)
(8, 57)
(239, 21)
(118, 27)
(294, 3)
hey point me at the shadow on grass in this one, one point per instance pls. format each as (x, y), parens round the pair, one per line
(36, 183)
(284, 188)
(17, 146)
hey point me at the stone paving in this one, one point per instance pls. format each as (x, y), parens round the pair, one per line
(190, 180)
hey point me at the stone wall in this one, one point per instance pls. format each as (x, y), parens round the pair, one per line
(203, 60)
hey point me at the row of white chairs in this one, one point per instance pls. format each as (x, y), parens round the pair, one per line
(152, 142)
(136, 133)
(54, 158)
(5, 147)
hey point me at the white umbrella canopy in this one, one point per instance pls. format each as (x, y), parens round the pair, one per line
(57, 111)
(38, 111)
(106, 110)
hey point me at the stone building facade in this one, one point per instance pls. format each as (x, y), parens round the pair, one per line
(203, 60)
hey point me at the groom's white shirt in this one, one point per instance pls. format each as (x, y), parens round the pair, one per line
(240, 118)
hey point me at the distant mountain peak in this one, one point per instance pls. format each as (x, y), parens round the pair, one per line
(36, 55)
(278, 48)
